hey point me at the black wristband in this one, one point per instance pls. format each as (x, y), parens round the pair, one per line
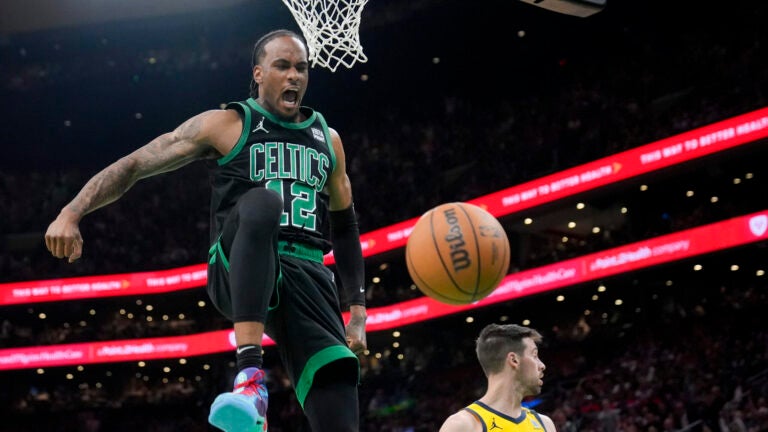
(348, 254)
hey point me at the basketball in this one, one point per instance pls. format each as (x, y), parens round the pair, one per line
(457, 253)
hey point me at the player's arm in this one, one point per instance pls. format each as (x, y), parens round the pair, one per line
(461, 421)
(347, 252)
(196, 138)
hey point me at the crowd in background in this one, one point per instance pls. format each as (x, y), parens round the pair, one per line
(622, 372)
(616, 373)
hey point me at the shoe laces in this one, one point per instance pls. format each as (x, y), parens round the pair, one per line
(253, 385)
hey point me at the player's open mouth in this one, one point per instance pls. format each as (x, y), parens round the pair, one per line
(290, 97)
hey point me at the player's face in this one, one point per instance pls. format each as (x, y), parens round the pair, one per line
(531, 368)
(282, 76)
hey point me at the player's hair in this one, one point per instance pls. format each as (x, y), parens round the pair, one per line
(258, 52)
(496, 341)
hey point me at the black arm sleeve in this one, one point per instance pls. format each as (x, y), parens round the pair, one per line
(345, 237)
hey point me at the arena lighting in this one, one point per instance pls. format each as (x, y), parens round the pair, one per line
(737, 231)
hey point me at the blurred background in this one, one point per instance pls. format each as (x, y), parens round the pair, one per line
(458, 100)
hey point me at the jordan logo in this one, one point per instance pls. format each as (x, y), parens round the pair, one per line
(260, 126)
(494, 425)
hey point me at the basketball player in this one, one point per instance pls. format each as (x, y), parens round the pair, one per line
(510, 360)
(281, 200)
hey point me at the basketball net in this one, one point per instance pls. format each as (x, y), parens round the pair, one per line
(331, 29)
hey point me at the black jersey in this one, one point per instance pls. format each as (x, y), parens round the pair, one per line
(293, 159)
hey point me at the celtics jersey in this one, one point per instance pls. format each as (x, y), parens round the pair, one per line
(492, 420)
(293, 159)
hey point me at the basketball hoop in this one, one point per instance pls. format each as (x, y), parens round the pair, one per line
(331, 29)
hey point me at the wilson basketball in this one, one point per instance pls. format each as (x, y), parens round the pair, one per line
(457, 253)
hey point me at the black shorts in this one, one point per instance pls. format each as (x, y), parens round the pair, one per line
(304, 316)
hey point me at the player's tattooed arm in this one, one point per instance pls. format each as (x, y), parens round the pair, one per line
(202, 136)
(165, 153)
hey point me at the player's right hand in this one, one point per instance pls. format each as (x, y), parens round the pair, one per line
(63, 238)
(355, 330)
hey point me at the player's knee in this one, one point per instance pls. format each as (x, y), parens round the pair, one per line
(261, 207)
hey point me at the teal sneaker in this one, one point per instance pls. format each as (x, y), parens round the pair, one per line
(244, 409)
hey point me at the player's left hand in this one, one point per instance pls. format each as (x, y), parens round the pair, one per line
(356, 329)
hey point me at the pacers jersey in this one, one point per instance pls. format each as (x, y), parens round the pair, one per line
(494, 421)
(293, 159)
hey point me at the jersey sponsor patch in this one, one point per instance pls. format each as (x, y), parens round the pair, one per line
(318, 134)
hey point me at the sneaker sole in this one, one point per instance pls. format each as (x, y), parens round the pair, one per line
(232, 413)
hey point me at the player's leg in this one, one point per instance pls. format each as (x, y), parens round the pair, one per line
(332, 403)
(248, 245)
(253, 257)
(309, 332)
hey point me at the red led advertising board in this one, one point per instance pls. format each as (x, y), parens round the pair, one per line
(672, 247)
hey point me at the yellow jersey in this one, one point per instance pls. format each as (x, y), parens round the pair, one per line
(495, 421)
